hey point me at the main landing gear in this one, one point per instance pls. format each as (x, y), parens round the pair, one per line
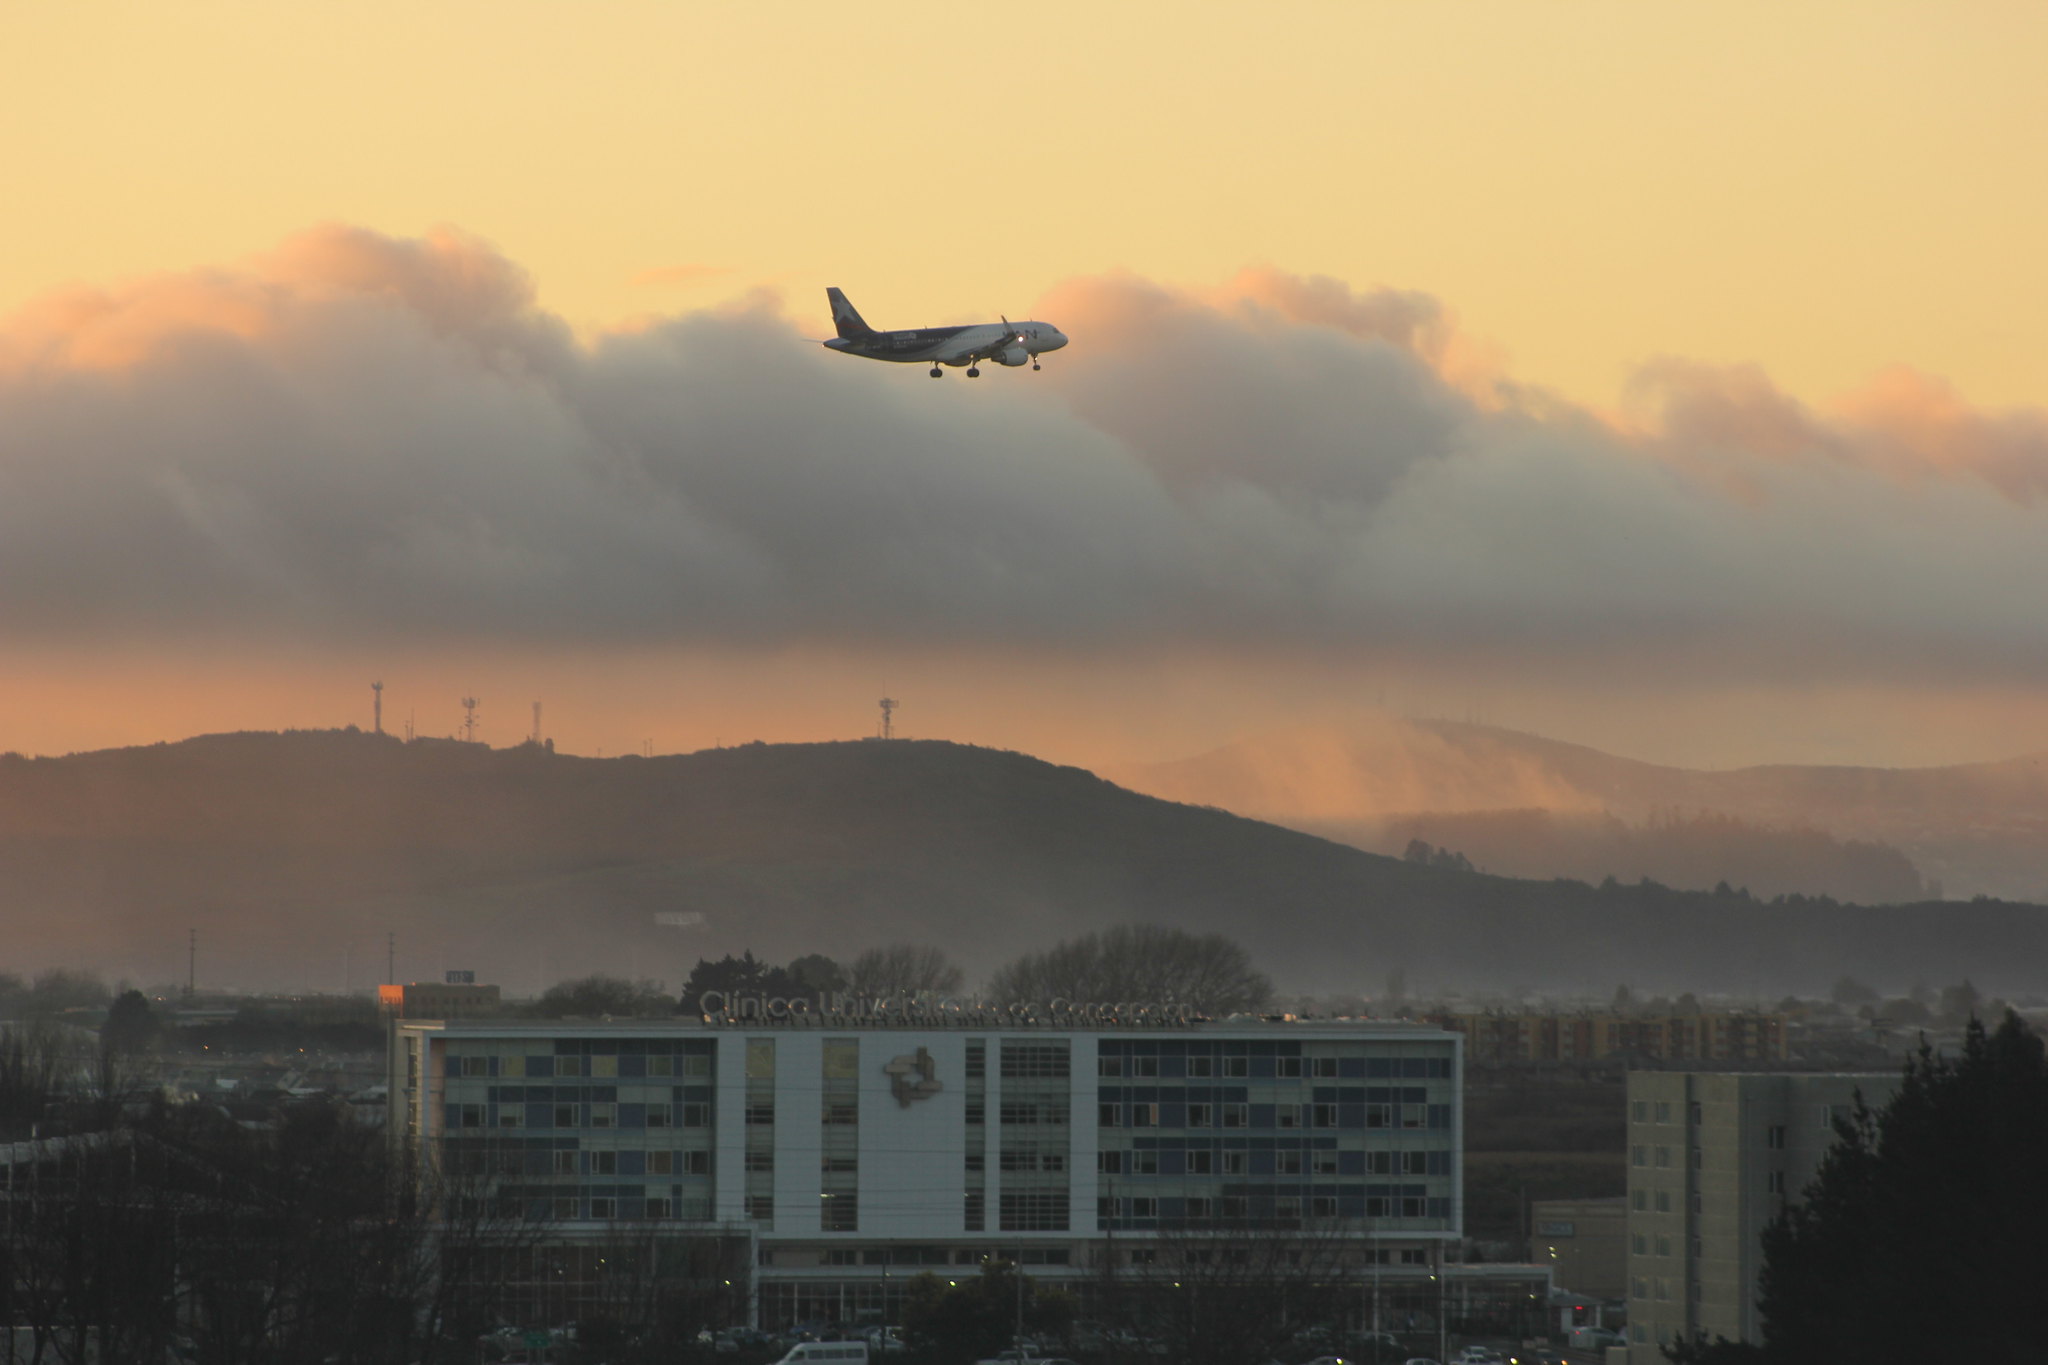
(974, 371)
(938, 373)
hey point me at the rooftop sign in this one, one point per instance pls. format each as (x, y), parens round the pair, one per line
(837, 1009)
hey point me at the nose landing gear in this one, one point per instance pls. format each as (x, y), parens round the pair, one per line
(974, 371)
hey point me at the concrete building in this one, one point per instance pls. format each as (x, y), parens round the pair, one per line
(1586, 1243)
(1494, 1039)
(1713, 1157)
(853, 1146)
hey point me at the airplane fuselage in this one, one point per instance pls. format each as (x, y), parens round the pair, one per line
(954, 345)
(1006, 342)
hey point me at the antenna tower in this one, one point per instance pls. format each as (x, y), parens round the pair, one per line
(889, 705)
(469, 719)
(191, 962)
(376, 708)
(535, 736)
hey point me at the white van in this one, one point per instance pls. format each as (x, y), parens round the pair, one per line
(827, 1353)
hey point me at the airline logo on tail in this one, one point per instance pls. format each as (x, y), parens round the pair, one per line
(1006, 342)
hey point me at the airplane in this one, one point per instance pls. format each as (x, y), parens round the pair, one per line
(1006, 343)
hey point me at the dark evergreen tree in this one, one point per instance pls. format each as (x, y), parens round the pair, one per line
(131, 1025)
(1921, 1237)
(736, 975)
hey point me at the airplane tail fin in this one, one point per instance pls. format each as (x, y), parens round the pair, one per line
(846, 317)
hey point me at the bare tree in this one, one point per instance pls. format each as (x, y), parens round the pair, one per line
(904, 968)
(1140, 962)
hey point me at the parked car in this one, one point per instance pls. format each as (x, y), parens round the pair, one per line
(1478, 1355)
(1593, 1339)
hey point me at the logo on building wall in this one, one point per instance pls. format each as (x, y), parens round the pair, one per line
(913, 1077)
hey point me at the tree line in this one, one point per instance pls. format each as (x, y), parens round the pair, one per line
(1128, 963)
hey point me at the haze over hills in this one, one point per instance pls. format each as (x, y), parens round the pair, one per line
(294, 854)
(1974, 829)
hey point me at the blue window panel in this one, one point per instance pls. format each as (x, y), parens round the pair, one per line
(1262, 1067)
(1201, 1094)
(1379, 1066)
(632, 1065)
(1174, 1067)
(632, 1116)
(1351, 1068)
(1262, 1115)
(1262, 1162)
(1173, 1115)
(1351, 1206)
(1351, 1163)
(540, 1066)
(632, 1163)
(1172, 1162)
(1351, 1116)
(1439, 1163)
(1415, 1068)
(538, 1161)
(1439, 1208)
(540, 1115)
(1324, 1094)
(1232, 1094)
(1109, 1094)
(1439, 1116)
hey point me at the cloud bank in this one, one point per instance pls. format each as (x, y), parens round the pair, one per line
(364, 437)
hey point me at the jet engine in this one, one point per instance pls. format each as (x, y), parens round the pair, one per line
(1013, 354)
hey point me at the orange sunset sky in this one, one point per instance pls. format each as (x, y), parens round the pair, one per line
(1668, 378)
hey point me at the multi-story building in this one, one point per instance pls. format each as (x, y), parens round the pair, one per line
(850, 1151)
(1713, 1157)
(1586, 1243)
(1507, 1039)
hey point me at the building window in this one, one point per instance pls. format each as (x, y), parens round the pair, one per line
(1663, 1156)
(1144, 1207)
(1200, 1116)
(761, 1115)
(1026, 1061)
(1144, 1163)
(660, 1116)
(604, 1208)
(1414, 1256)
(1144, 1116)
(973, 1216)
(761, 1159)
(1287, 1163)
(1032, 1211)
(839, 1212)
(1236, 1066)
(1326, 1067)
(604, 1116)
(565, 1116)
(1109, 1163)
(1323, 1206)
(1639, 1243)
(1639, 1111)
(1236, 1115)
(1110, 1116)
(661, 1163)
(1324, 1115)
(604, 1163)
(567, 1207)
(1201, 1067)
(842, 1115)
(1379, 1163)
(1663, 1246)
(511, 1116)
(699, 1115)
(1287, 1068)
(1379, 1116)
(1663, 1111)
(660, 1207)
(1639, 1200)
(977, 1113)
(1144, 1066)
(661, 1066)
(1109, 1066)
(1286, 1115)
(1774, 1137)
(1201, 1163)
(1233, 1163)
(697, 1163)
(840, 1164)
(1663, 1201)
(1697, 1112)
(565, 1163)
(1639, 1289)
(1326, 1163)
(977, 1059)
(978, 1161)
(1775, 1182)
(761, 1208)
